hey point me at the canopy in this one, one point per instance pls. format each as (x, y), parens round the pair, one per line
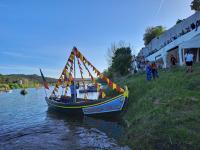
(192, 43)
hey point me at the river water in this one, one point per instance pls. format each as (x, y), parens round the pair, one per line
(27, 124)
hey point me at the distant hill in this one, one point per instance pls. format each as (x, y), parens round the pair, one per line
(15, 78)
(15, 81)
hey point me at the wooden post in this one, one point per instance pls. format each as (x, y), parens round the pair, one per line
(180, 56)
(183, 54)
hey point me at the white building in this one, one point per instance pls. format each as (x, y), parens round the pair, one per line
(175, 41)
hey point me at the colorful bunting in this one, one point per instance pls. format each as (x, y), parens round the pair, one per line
(114, 86)
(67, 76)
(103, 95)
(81, 72)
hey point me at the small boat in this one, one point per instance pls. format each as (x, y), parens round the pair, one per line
(91, 88)
(23, 92)
(104, 105)
(82, 89)
(9, 91)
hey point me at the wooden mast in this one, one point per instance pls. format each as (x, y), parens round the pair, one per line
(74, 49)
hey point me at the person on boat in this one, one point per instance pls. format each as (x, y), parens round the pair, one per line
(77, 85)
(73, 90)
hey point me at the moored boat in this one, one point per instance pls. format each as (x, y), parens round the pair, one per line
(23, 92)
(91, 88)
(82, 89)
(89, 107)
(84, 106)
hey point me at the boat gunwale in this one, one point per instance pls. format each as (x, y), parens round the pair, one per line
(63, 105)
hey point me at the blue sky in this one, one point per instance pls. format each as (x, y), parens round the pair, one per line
(41, 33)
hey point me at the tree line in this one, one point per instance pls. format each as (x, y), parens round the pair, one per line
(13, 81)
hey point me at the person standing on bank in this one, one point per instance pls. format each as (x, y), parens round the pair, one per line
(154, 69)
(173, 60)
(148, 71)
(189, 60)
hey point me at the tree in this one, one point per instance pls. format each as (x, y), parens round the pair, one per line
(111, 51)
(151, 33)
(195, 5)
(121, 61)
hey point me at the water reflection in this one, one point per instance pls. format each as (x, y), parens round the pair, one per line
(27, 123)
(111, 126)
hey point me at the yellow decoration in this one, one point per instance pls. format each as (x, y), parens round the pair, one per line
(68, 64)
(101, 76)
(72, 57)
(64, 71)
(98, 88)
(103, 95)
(121, 90)
(114, 86)
(81, 57)
(67, 74)
(58, 83)
(126, 92)
(108, 81)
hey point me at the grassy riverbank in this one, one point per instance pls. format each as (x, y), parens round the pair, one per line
(165, 113)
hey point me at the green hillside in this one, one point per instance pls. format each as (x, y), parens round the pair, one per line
(13, 81)
(165, 113)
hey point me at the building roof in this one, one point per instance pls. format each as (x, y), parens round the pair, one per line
(192, 43)
(171, 34)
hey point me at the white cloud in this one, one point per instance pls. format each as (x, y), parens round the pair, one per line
(160, 6)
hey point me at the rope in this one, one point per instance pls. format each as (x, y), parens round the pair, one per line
(94, 81)
(63, 73)
(114, 86)
(81, 72)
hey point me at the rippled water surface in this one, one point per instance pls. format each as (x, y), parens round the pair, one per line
(26, 123)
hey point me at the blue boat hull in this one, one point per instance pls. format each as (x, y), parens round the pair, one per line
(90, 107)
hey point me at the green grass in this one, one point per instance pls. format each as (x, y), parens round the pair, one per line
(164, 113)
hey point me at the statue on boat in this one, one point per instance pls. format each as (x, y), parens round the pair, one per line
(84, 106)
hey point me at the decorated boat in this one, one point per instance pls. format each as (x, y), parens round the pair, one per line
(85, 106)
